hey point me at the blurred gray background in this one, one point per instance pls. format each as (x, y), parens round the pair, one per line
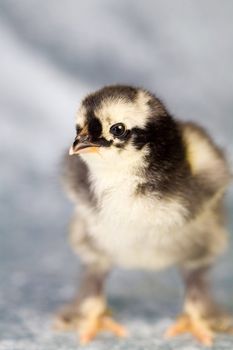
(52, 53)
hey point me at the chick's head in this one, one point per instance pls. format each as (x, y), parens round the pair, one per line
(121, 122)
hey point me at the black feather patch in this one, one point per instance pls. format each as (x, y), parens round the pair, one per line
(78, 129)
(103, 142)
(93, 101)
(94, 126)
(166, 166)
(163, 138)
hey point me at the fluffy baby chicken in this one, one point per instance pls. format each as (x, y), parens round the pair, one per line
(148, 193)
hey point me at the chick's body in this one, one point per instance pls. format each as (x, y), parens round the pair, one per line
(136, 230)
(148, 189)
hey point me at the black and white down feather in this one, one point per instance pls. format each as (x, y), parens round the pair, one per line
(148, 189)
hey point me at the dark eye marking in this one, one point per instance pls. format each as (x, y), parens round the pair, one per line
(78, 129)
(103, 142)
(94, 127)
(118, 130)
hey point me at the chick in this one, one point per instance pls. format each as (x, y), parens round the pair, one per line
(148, 192)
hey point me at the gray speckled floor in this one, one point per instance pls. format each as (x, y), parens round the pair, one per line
(50, 57)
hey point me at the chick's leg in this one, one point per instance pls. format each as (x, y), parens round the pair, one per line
(201, 317)
(88, 313)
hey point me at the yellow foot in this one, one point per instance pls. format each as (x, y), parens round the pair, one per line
(89, 328)
(202, 329)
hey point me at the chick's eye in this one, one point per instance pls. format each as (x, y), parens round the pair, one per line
(117, 129)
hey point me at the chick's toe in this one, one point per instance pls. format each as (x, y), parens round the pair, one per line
(202, 329)
(91, 326)
(88, 319)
